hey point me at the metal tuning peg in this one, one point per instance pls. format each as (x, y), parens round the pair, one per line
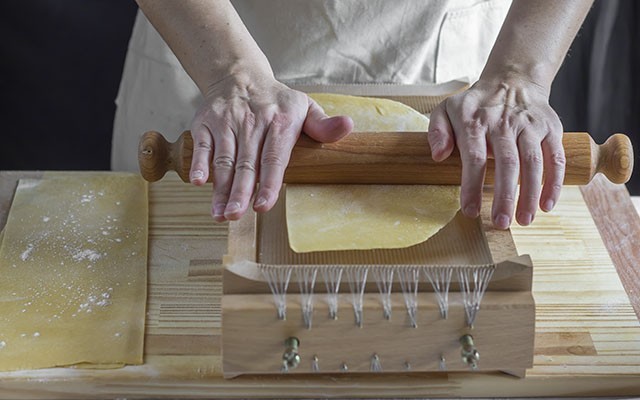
(470, 355)
(290, 358)
(442, 363)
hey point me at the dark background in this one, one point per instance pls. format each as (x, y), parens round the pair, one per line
(61, 60)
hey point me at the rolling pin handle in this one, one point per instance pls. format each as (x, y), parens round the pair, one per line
(152, 153)
(614, 158)
(156, 156)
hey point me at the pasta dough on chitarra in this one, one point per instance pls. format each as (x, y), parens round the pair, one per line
(73, 264)
(362, 217)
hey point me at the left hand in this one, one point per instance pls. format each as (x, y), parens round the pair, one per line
(510, 120)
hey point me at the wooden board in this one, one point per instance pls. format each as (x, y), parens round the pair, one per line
(587, 334)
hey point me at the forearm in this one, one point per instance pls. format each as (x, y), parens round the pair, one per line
(534, 40)
(208, 37)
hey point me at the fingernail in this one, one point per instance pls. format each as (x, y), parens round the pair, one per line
(197, 174)
(260, 202)
(218, 210)
(471, 211)
(548, 205)
(232, 207)
(502, 221)
(525, 218)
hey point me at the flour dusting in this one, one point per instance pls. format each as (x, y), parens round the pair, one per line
(86, 198)
(87, 254)
(25, 254)
(102, 300)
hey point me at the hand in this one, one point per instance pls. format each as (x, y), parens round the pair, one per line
(246, 128)
(511, 120)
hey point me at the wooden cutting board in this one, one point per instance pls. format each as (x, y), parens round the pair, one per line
(587, 334)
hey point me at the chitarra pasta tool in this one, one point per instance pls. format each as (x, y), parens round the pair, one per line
(460, 301)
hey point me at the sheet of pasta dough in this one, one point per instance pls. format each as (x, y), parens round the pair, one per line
(73, 272)
(363, 217)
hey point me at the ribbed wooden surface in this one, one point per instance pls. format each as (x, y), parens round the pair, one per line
(587, 335)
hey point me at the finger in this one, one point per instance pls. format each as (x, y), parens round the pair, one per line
(202, 152)
(507, 170)
(530, 154)
(223, 171)
(472, 144)
(554, 168)
(440, 134)
(276, 152)
(249, 141)
(323, 128)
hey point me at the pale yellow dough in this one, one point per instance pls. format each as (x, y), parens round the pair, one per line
(73, 272)
(371, 114)
(362, 217)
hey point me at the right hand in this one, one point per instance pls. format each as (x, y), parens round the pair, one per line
(246, 129)
(509, 119)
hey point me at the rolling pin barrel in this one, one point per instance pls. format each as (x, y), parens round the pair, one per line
(391, 158)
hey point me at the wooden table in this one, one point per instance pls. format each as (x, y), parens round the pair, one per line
(587, 331)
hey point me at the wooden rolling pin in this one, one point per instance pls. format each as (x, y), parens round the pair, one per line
(391, 158)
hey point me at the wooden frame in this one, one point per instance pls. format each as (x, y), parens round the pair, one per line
(253, 338)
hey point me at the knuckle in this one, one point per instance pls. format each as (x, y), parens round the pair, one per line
(504, 131)
(529, 198)
(202, 145)
(503, 123)
(246, 165)
(436, 143)
(436, 136)
(558, 159)
(224, 162)
(239, 195)
(434, 133)
(473, 126)
(509, 159)
(532, 158)
(556, 188)
(272, 158)
(221, 194)
(505, 197)
(281, 120)
(476, 158)
(529, 117)
(250, 120)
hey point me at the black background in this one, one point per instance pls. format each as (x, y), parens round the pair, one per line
(61, 61)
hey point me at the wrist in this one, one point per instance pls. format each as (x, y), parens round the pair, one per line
(536, 75)
(238, 76)
(239, 73)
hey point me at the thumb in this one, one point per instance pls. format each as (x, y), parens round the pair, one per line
(319, 126)
(440, 135)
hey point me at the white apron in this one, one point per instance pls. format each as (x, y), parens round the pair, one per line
(311, 42)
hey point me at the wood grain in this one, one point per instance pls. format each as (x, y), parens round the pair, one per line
(390, 158)
(253, 337)
(587, 335)
(612, 210)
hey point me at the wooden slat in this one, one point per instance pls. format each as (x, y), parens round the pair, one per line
(619, 226)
